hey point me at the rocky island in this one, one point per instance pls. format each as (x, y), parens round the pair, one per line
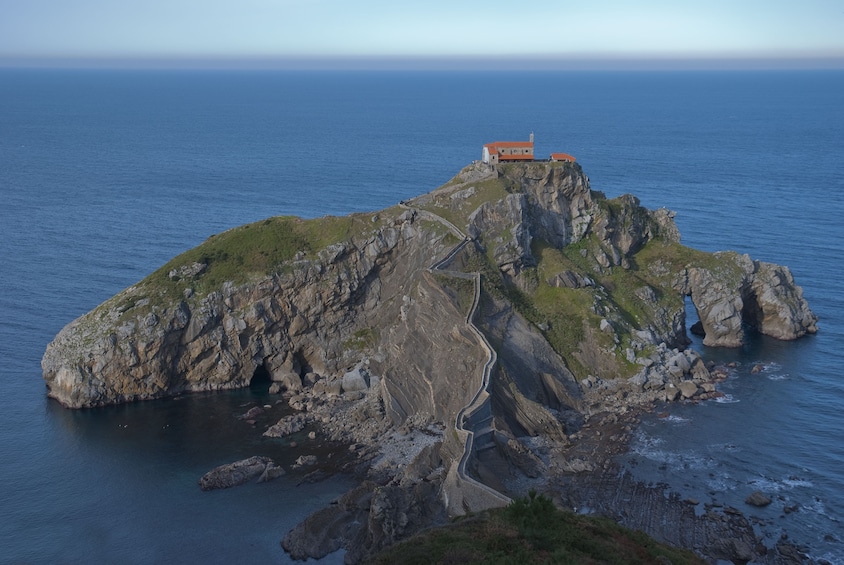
(496, 334)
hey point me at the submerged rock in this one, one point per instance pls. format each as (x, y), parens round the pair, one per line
(757, 498)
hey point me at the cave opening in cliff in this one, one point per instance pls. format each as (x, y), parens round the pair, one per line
(301, 366)
(693, 323)
(261, 380)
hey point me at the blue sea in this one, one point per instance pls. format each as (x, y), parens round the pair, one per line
(105, 175)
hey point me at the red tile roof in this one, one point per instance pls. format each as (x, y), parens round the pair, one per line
(562, 157)
(497, 144)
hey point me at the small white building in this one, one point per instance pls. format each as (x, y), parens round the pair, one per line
(503, 151)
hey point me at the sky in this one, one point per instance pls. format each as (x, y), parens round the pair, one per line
(313, 32)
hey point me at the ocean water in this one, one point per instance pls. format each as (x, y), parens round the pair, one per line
(105, 175)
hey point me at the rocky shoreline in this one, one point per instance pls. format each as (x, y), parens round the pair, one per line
(455, 366)
(400, 473)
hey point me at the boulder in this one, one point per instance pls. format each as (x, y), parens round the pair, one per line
(289, 381)
(355, 380)
(570, 279)
(252, 413)
(671, 393)
(678, 365)
(234, 474)
(688, 389)
(287, 426)
(757, 498)
(305, 461)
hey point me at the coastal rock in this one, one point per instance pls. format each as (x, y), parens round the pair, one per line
(287, 426)
(507, 217)
(776, 306)
(570, 279)
(355, 381)
(718, 300)
(252, 413)
(239, 472)
(324, 310)
(556, 304)
(688, 389)
(366, 519)
(741, 293)
(325, 531)
(271, 472)
(305, 461)
(757, 498)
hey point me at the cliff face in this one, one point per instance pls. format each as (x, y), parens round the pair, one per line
(316, 314)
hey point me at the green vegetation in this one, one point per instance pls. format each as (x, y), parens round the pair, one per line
(463, 290)
(570, 318)
(660, 261)
(256, 249)
(448, 237)
(532, 530)
(536, 169)
(561, 312)
(362, 339)
(488, 190)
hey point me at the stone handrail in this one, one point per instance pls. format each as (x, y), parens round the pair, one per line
(481, 397)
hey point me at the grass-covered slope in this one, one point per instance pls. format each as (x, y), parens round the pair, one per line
(532, 530)
(625, 250)
(257, 249)
(242, 254)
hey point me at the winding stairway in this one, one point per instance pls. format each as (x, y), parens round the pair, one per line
(474, 421)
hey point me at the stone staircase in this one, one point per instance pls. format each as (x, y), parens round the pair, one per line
(473, 423)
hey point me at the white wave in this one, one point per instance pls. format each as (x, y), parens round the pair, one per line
(721, 483)
(676, 460)
(727, 399)
(767, 367)
(719, 447)
(829, 558)
(817, 506)
(767, 484)
(777, 377)
(797, 482)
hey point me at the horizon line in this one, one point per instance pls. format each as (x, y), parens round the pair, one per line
(434, 63)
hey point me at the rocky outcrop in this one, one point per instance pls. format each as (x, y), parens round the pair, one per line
(553, 205)
(757, 498)
(324, 310)
(241, 472)
(298, 320)
(581, 299)
(741, 294)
